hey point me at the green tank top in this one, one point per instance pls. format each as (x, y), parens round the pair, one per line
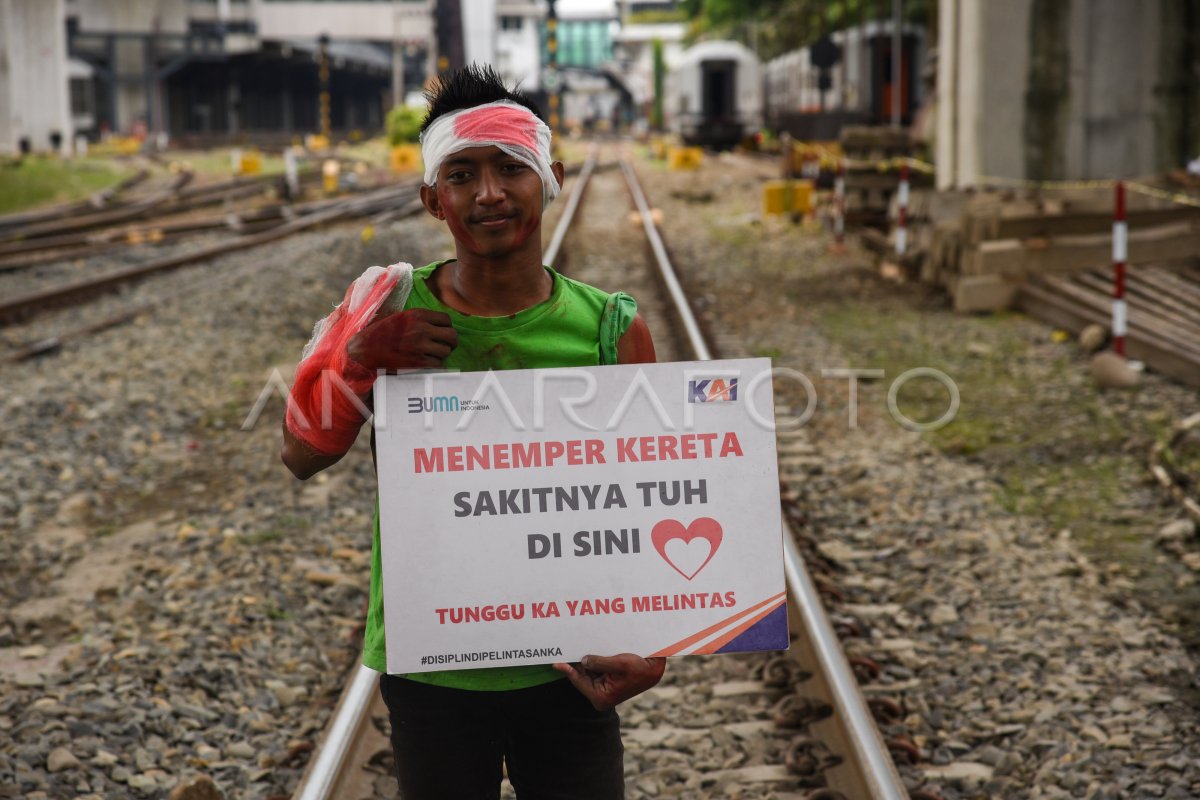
(578, 326)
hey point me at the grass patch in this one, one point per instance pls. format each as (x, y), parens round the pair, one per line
(1058, 447)
(45, 180)
(218, 162)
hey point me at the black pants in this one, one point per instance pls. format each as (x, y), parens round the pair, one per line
(449, 743)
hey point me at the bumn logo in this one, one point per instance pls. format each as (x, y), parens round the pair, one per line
(441, 403)
(712, 390)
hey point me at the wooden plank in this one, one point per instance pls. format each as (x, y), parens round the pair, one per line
(1102, 304)
(974, 293)
(1075, 253)
(1044, 304)
(1146, 303)
(1150, 281)
(1077, 223)
(1186, 290)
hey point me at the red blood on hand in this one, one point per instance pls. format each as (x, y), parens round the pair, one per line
(325, 406)
(413, 339)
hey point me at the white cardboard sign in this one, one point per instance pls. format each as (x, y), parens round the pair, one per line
(537, 516)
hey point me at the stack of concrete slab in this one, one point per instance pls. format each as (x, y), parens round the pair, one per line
(982, 246)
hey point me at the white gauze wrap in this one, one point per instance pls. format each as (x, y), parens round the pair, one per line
(505, 124)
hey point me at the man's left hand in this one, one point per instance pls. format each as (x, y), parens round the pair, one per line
(609, 680)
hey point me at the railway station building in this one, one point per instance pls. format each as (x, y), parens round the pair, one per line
(208, 71)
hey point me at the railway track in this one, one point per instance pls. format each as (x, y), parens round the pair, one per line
(390, 202)
(806, 705)
(164, 212)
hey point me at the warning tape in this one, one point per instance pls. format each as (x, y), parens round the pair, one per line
(1174, 197)
(1182, 198)
(1020, 183)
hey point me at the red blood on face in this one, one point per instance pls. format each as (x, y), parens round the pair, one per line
(455, 222)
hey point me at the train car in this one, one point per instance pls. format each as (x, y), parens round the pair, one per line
(714, 94)
(860, 88)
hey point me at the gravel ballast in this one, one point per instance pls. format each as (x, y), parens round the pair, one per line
(175, 604)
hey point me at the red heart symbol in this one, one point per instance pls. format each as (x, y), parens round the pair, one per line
(679, 547)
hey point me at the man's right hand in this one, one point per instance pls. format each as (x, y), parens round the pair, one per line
(413, 339)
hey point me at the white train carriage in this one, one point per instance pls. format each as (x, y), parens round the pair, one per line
(714, 94)
(860, 89)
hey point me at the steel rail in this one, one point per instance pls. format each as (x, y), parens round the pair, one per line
(131, 211)
(691, 328)
(99, 199)
(322, 777)
(568, 214)
(20, 307)
(879, 773)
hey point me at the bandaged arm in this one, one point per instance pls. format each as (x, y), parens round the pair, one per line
(362, 338)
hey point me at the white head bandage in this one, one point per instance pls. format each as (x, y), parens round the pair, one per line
(510, 126)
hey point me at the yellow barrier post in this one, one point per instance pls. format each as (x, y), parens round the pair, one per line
(329, 175)
(684, 158)
(787, 197)
(250, 163)
(405, 158)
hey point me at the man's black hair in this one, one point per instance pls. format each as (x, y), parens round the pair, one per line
(473, 85)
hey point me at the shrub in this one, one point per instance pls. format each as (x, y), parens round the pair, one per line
(404, 124)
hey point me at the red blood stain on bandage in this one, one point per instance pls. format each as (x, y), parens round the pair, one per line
(511, 126)
(324, 407)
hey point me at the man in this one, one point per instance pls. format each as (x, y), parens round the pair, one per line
(488, 175)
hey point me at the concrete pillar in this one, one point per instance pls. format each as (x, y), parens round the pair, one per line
(289, 123)
(397, 72)
(945, 140)
(35, 100)
(1122, 88)
(1004, 76)
(969, 96)
(8, 138)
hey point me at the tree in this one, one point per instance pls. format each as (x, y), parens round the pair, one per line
(775, 27)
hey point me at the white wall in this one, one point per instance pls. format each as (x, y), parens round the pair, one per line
(1113, 97)
(519, 55)
(138, 16)
(34, 95)
(635, 44)
(347, 21)
(479, 31)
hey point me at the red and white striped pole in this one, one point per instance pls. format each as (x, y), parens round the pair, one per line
(806, 166)
(1120, 250)
(902, 211)
(839, 203)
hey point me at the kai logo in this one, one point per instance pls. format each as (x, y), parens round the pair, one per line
(712, 390)
(433, 404)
